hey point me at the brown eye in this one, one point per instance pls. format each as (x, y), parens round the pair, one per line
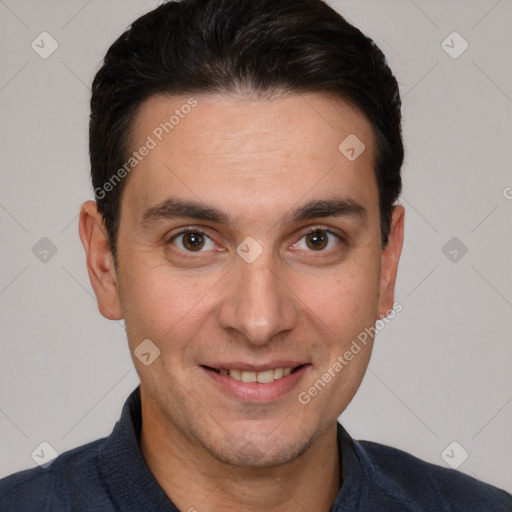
(317, 240)
(192, 241)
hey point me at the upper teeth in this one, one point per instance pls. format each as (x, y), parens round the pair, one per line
(263, 377)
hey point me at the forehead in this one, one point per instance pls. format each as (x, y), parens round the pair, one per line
(251, 153)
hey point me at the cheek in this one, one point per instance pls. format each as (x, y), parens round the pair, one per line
(345, 299)
(162, 305)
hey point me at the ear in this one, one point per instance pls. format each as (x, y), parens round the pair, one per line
(100, 263)
(389, 262)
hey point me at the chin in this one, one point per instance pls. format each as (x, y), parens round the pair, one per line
(260, 452)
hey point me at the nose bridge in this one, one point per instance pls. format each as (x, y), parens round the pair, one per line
(257, 303)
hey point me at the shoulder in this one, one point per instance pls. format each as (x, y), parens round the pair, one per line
(414, 481)
(73, 476)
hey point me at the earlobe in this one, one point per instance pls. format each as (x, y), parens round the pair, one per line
(389, 262)
(100, 266)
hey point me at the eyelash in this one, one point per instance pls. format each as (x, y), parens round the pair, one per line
(202, 233)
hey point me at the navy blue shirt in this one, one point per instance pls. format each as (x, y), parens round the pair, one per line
(111, 475)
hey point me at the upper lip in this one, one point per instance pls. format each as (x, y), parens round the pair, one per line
(249, 367)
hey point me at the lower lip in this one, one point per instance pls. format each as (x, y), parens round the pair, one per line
(255, 391)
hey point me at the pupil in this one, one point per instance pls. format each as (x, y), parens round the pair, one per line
(317, 240)
(193, 241)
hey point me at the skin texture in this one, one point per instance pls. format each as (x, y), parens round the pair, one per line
(256, 160)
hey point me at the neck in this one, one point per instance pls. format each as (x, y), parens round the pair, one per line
(195, 481)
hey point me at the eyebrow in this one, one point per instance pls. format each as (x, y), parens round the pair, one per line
(175, 208)
(336, 207)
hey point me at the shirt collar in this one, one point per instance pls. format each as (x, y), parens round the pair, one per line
(133, 487)
(131, 484)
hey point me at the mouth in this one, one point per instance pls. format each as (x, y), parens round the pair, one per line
(265, 376)
(256, 384)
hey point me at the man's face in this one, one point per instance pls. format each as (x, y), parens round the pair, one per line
(252, 290)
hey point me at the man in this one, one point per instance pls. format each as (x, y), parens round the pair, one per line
(245, 159)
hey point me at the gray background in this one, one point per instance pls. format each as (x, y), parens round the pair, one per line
(440, 370)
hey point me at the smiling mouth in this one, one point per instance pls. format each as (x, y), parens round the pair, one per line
(263, 377)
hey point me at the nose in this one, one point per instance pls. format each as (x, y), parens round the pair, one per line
(258, 304)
